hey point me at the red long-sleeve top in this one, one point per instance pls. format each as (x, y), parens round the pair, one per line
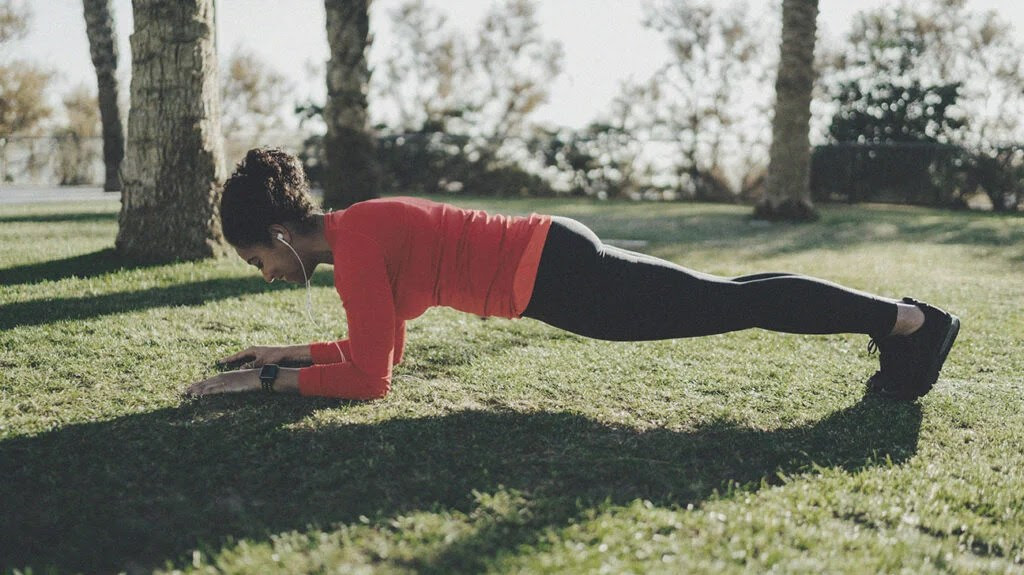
(396, 257)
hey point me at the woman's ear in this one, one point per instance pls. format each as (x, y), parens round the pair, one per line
(279, 232)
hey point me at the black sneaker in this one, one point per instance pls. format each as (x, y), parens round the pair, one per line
(910, 364)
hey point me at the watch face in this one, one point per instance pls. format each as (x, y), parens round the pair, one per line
(269, 372)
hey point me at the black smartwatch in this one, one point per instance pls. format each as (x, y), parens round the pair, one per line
(267, 376)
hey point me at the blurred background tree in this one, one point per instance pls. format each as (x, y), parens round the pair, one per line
(420, 78)
(604, 159)
(14, 20)
(99, 27)
(351, 170)
(461, 106)
(938, 44)
(23, 87)
(22, 84)
(702, 100)
(252, 98)
(75, 159)
(23, 105)
(511, 66)
(933, 94)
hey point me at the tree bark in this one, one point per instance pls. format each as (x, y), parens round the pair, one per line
(788, 195)
(175, 163)
(351, 172)
(99, 27)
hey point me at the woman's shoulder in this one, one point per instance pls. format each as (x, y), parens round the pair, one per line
(391, 210)
(388, 206)
(374, 217)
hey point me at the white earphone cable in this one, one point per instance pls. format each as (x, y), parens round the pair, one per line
(309, 301)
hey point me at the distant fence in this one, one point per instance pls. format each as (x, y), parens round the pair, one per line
(50, 160)
(918, 173)
(68, 160)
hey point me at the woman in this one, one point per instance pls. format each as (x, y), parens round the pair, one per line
(393, 258)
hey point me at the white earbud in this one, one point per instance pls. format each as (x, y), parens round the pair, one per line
(280, 236)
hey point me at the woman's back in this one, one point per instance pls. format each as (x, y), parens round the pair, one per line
(438, 254)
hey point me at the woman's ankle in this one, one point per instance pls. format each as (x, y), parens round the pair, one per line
(909, 318)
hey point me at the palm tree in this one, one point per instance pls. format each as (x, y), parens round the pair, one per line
(99, 27)
(352, 173)
(174, 165)
(788, 195)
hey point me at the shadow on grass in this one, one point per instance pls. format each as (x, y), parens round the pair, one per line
(143, 490)
(51, 310)
(83, 266)
(840, 227)
(62, 218)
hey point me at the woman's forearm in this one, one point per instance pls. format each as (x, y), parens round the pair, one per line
(245, 380)
(287, 380)
(300, 353)
(330, 351)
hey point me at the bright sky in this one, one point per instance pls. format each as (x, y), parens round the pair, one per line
(604, 41)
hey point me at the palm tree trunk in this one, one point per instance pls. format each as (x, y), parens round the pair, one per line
(99, 27)
(352, 174)
(174, 165)
(788, 195)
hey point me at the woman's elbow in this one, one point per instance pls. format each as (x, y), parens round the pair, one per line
(380, 390)
(364, 389)
(366, 392)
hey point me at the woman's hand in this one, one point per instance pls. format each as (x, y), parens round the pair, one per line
(260, 355)
(227, 382)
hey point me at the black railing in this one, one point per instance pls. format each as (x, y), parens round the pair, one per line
(918, 173)
(914, 173)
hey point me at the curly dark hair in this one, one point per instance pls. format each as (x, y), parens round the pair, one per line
(267, 187)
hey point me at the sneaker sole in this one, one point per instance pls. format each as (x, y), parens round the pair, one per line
(940, 358)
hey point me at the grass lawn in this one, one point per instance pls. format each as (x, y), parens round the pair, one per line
(508, 446)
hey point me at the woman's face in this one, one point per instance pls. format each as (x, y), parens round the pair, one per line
(276, 262)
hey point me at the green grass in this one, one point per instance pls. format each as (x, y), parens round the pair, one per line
(508, 446)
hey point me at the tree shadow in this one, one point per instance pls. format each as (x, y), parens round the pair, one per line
(51, 310)
(60, 218)
(82, 266)
(143, 490)
(839, 228)
(843, 233)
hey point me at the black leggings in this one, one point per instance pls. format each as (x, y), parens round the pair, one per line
(600, 291)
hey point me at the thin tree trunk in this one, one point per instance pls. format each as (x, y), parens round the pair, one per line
(352, 174)
(174, 165)
(99, 27)
(788, 195)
